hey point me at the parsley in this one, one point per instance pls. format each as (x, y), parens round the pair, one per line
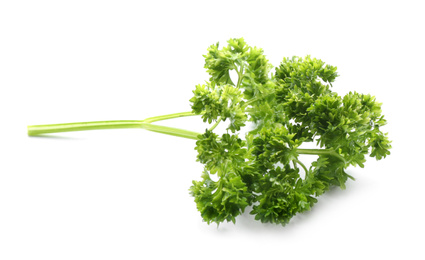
(287, 108)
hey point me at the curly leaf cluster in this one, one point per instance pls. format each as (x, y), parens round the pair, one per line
(223, 101)
(281, 196)
(228, 197)
(292, 106)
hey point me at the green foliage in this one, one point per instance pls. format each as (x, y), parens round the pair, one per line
(226, 198)
(223, 102)
(281, 196)
(280, 111)
(274, 145)
(293, 106)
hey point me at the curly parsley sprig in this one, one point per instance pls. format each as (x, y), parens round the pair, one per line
(285, 109)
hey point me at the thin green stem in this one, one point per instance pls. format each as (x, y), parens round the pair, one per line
(321, 152)
(240, 76)
(171, 131)
(302, 165)
(82, 126)
(34, 130)
(252, 100)
(169, 116)
(216, 124)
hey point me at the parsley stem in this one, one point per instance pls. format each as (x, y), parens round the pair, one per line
(114, 124)
(216, 124)
(240, 75)
(302, 165)
(171, 131)
(321, 152)
(82, 126)
(117, 124)
(169, 116)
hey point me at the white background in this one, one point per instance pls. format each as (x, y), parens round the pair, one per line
(123, 194)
